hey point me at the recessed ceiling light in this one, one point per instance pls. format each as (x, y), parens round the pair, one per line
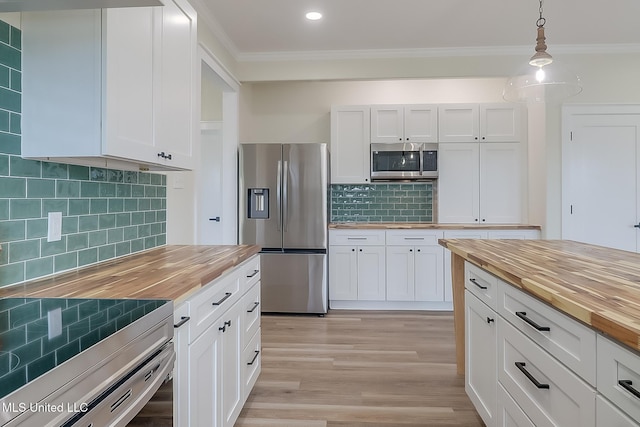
(313, 16)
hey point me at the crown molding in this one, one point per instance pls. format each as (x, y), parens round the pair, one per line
(433, 52)
(205, 14)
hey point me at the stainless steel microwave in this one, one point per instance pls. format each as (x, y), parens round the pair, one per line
(404, 161)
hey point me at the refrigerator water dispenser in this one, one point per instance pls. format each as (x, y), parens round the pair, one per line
(258, 203)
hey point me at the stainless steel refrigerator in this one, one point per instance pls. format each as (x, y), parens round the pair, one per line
(283, 207)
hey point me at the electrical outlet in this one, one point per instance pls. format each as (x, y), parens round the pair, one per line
(55, 323)
(54, 229)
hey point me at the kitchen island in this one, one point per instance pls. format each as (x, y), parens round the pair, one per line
(566, 314)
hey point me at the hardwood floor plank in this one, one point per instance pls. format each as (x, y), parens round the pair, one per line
(352, 369)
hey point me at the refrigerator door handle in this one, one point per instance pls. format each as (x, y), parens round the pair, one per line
(285, 196)
(278, 194)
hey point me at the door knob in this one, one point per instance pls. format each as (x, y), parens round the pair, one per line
(216, 219)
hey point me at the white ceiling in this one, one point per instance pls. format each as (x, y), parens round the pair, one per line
(262, 28)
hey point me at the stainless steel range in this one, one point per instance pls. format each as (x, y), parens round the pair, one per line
(94, 362)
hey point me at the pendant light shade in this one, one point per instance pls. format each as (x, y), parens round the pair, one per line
(543, 80)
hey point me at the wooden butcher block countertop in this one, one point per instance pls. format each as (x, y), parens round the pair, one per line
(426, 226)
(597, 285)
(167, 272)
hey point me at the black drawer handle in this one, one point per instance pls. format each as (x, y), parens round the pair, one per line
(255, 305)
(253, 274)
(255, 356)
(521, 366)
(626, 384)
(224, 298)
(475, 282)
(523, 316)
(183, 320)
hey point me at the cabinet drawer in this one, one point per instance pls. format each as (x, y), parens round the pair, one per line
(608, 415)
(251, 269)
(481, 284)
(413, 237)
(251, 313)
(509, 414)
(567, 340)
(251, 363)
(618, 376)
(357, 237)
(216, 298)
(566, 401)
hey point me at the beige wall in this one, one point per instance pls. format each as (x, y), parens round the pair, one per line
(274, 109)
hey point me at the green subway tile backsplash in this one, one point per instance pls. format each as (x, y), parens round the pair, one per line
(107, 213)
(388, 202)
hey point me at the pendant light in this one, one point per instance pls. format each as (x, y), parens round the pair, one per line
(544, 80)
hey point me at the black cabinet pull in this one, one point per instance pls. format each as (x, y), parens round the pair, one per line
(255, 305)
(228, 323)
(489, 320)
(521, 366)
(223, 328)
(224, 298)
(475, 282)
(637, 226)
(183, 320)
(255, 356)
(523, 316)
(253, 274)
(626, 384)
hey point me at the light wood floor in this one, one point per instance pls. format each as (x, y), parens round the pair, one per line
(352, 369)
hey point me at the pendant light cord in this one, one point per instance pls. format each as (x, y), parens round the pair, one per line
(541, 21)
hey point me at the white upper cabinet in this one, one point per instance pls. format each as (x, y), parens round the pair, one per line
(404, 123)
(111, 87)
(481, 183)
(350, 142)
(499, 122)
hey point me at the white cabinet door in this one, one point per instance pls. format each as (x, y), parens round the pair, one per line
(128, 60)
(480, 183)
(350, 141)
(480, 357)
(371, 273)
(429, 273)
(231, 393)
(175, 109)
(500, 122)
(204, 378)
(400, 273)
(458, 189)
(387, 123)
(500, 183)
(343, 273)
(458, 123)
(421, 123)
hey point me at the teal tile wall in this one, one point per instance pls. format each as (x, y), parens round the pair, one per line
(407, 202)
(105, 213)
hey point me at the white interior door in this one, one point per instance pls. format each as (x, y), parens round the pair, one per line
(600, 172)
(210, 188)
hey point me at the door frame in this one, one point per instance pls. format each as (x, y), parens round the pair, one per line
(230, 88)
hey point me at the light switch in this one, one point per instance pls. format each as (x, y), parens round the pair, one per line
(54, 229)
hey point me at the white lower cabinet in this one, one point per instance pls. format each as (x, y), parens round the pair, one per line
(414, 266)
(552, 371)
(480, 359)
(211, 379)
